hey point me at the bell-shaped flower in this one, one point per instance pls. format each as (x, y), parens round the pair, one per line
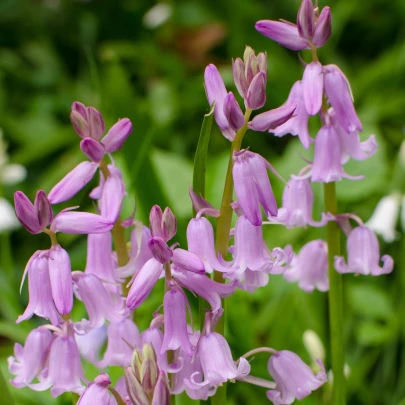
(298, 123)
(205, 287)
(298, 200)
(283, 32)
(312, 87)
(143, 282)
(294, 379)
(29, 360)
(175, 321)
(123, 337)
(111, 198)
(363, 253)
(65, 371)
(40, 302)
(216, 362)
(385, 217)
(91, 343)
(200, 240)
(60, 274)
(252, 186)
(339, 94)
(97, 392)
(100, 303)
(216, 92)
(327, 165)
(310, 267)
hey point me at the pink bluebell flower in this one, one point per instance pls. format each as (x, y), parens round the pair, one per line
(97, 392)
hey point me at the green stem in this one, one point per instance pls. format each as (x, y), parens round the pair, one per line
(335, 300)
(222, 236)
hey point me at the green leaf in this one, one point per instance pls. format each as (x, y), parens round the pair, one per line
(200, 159)
(5, 395)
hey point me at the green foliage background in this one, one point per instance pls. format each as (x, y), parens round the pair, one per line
(100, 52)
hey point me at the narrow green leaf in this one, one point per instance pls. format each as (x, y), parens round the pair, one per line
(200, 159)
(5, 395)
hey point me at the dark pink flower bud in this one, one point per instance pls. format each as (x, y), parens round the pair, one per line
(161, 394)
(80, 223)
(43, 209)
(363, 253)
(60, 274)
(96, 123)
(73, 182)
(200, 203)
(285, 33)
(155, 220)
(312, 87)
(160, 251)
(78, 117)
(306, 19)
(238, 70)
(117, 135)
(233, 113)
(169, 224)
(97, 392)
(323, 28)
(93, 149)
(26, 213)
(272, 119)
(188, 261)
(256, 94)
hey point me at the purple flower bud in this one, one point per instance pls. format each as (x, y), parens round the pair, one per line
(43, 209)
(96, 123)
(143, 283)
(93, 149)
(72, 183)
(238, 70)
(60, 274)
(200, 203)
(78, 117)
(323, 28)
(256, 94)
(134, 388)
(64, 369)
(200, 240)
(327, 166)
(293, 377)
(155, 220)
(272, 119)
(117, 135)
(100, 303)
(169, 224)
(363, 252)
(298, 199)
(216, 91)
(188, 261)
(306, 20)
(233, 113)
(97, 392)
(30, 359)
(26, 213)
(338, 91)
(40, 302)
(111, 198)
(298, 124)
(310, 267)
(121, 337)
(161, 394)
(217, 363)
(312, 86)
(80, 223)
(285, 33)
(160, 251)
(175, 322)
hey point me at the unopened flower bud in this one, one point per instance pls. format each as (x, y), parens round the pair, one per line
(149, 368)
(96, 123)
(26, 213)
(169, 224)
(238, 70)
(155, 219)
(160, 251)
(306, 20)
(233, 113)
(314, 346)
(117, 135)
(43, 209)
(134, 388)
(256, 95)
(78, 117)
(323, 28)
(161, 394)
(93, 149)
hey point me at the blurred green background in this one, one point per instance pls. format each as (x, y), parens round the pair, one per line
(118, 57)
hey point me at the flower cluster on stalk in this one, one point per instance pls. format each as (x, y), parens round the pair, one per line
(173, 355)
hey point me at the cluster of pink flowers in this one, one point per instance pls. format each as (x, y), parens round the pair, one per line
(172, 355)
